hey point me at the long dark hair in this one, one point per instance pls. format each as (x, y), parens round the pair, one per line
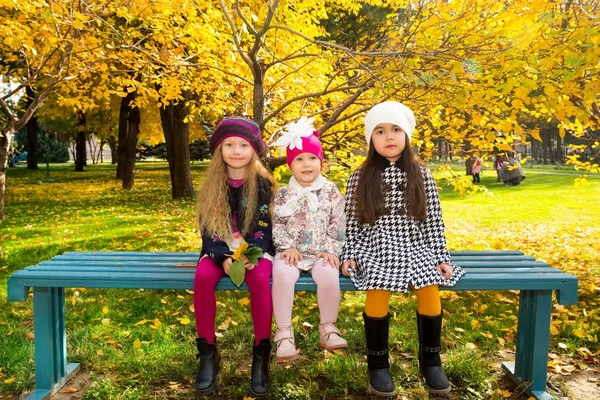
(370, 194)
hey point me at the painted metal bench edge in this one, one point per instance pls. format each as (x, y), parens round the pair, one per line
(76, 254)
(19, 283)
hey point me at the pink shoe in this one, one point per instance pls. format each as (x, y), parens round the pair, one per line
(331, 337)
(286, 347)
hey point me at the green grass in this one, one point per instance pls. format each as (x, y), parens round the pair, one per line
(547, 217)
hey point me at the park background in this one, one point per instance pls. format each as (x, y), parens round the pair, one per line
(149, 80)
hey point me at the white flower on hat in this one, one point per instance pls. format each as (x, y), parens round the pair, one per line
(292, 139)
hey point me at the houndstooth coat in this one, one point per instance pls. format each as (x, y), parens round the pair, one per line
(397, 250)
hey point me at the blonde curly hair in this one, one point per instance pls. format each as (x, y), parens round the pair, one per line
(213, 212)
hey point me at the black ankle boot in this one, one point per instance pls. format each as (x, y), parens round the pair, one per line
(377, 334)
(208, 366)
(430, 330)
(260, 381)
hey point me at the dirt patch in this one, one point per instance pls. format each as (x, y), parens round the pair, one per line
(75, 387)
(581, 385)
(73, 390)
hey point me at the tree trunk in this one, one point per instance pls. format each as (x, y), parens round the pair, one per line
(32, 133)
(535, 150)
(7, 133)
(133, 128)
(101, 152)
(560, 158)
(177, 139)
(80, 144)
(123, 123)
(112, 144)
(468, 149)
(258, 106)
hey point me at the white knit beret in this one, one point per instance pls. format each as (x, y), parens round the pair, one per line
(390, 112)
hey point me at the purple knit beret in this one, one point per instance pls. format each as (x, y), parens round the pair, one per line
(240, 127)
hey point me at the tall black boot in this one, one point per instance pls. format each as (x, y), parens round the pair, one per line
(208, 366)
(430, 330)
(377, 335)
(260, 382)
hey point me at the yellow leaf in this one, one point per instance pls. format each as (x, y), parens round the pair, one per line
(522, 92)
(475, 324)
(191, 308)
(562, 345)
(245, 301)
(142, 322)
(71, 390)
(295, 319)
(30, 335)
(78, 24)
(9, 380)
(470, 346)
(99, 352)
(184, 321)
(580, 333)
(105, 310)
(137, 344)
(553, 330)
(225, 325)
(105, 321)
(239, 252)
(157, 322)
(501, 341)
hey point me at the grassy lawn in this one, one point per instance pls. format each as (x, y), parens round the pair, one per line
(139, 345)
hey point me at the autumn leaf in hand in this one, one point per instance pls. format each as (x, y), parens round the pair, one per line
(237, 269)
(239, 252)
(253, 254)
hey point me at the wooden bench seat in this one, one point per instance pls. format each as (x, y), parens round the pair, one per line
(485, 270)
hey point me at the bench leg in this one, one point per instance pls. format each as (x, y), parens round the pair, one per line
(530, 368)
(51, 368)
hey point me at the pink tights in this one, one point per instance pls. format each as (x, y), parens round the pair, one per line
(258, 280)
(284, 281)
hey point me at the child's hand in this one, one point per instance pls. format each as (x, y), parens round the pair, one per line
(445, 270)
(292, 256)
(247, 264)
(330, 259)
(226, 264)
(348, 265)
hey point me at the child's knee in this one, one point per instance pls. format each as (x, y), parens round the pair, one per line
(329, 285)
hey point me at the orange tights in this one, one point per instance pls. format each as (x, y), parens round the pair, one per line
(428, 302)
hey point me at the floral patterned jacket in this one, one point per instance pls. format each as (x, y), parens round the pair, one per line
(311, 232)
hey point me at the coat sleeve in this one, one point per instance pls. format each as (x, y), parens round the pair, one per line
(433, 225)
(281, 239)
(352, 222)
(215, 248)
(262, 234)
(336, 231)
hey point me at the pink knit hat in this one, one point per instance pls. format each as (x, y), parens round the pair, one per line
(301, 137)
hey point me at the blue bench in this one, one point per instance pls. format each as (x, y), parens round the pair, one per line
(485, 270)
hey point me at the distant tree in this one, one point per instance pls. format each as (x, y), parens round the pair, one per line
(199, 150)
(51, 150)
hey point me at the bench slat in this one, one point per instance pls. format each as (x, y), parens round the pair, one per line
(174, 269)
(186, 263)
(456, 255)
(482, 281)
